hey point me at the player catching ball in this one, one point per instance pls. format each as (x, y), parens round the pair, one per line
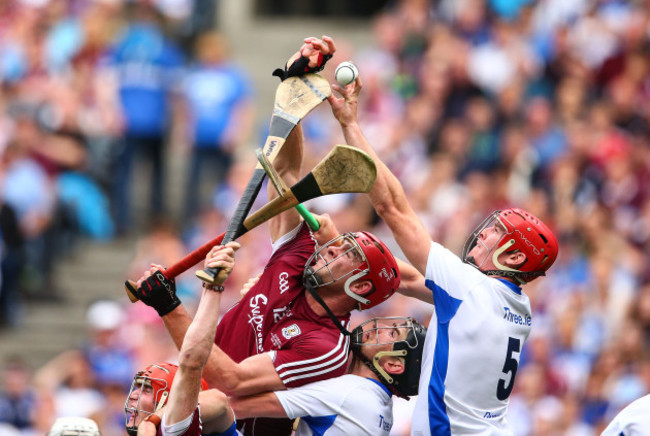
(482, 316)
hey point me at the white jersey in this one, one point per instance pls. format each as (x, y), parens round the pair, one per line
(346, 405)
(471, 352)
(634, 420)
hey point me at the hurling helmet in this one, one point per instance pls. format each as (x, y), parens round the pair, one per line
(375, 263)
(74, 426)
(159, 378)
(523, 232)
(410, 349)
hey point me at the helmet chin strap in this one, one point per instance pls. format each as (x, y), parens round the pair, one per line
(502, 267)
(384, 377)
(351, 294)
(329, 312)
(163, 400)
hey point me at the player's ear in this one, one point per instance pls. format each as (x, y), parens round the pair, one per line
(394, 365)
(515, 259)
(361, 287)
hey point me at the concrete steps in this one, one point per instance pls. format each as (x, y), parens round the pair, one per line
(94, 271)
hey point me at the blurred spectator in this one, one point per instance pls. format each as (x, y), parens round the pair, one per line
(11, 263)
(18, 398)
(107, 353)
(556, 120)
(28, 190)
(220, 110)
(147, 67)
(69, 379)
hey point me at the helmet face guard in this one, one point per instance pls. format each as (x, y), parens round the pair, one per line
(407, 343)
(522, 232)
(320, 272)
(372, 261)
(474, 239)
(155, 381)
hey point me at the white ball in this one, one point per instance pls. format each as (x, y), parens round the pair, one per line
(346, 73)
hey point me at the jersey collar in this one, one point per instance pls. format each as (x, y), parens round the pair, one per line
(514, 288)
(381, 385)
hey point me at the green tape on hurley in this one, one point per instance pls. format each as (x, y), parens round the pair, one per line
(309, 218)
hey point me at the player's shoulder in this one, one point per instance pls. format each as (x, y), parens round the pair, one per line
(638, 407)
(443, 265)
(297, 239)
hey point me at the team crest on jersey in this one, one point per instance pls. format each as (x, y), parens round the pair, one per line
(291, 332)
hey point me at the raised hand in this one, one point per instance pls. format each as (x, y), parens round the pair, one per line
(222, 257)
(156, 290)
(345, 107)
(311, 58)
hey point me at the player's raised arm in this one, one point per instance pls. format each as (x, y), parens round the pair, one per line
(387, 195)
(311, 57)
(287, 164)
(199, 339)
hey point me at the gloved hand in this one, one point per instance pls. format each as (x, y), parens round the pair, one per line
(311, 58)
(157, 291)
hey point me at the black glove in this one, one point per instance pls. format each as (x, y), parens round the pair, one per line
(301, 66)
(158, 292)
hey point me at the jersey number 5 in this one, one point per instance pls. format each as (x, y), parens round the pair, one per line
(510, 365)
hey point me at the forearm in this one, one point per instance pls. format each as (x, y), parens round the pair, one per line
(289, 159)
(287, 164)
(222, 372)
(389, 200)
(199, 337)
(253, 375)
(412, 283)
(387, 195)
(177, 322)
(262, 405)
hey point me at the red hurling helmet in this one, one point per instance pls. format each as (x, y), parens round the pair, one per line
(383, 270)
(373, 262)
(522, 232)
(159, 378)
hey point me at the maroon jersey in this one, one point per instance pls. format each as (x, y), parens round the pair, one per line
(274, 317)
(194, 429)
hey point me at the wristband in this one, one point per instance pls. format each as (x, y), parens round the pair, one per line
(154, 419)
(211, 287)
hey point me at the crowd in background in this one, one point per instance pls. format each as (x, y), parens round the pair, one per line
(474, 105)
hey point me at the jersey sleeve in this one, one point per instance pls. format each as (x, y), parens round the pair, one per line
(190, 426)
(315, 355)
(315, 399)
(632, 420)
(297, 239)
(447, 274)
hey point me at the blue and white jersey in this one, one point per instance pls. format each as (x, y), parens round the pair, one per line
(346, 405)
(633, 420)
(472, 349)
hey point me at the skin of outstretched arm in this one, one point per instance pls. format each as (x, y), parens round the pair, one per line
(387, 194)
(266, 405)
(198, 341)
(412, 283)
